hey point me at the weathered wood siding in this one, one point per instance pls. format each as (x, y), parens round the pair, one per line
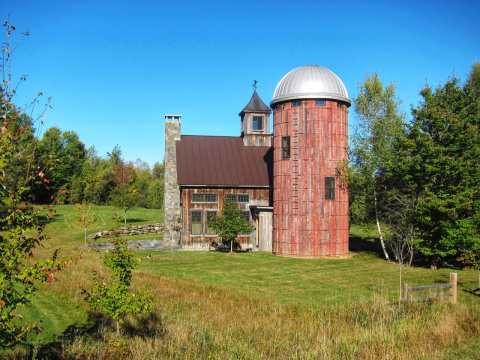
(305, 223)
(257, 196)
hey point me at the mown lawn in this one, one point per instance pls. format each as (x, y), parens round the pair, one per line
(288, 280)
(243, 306)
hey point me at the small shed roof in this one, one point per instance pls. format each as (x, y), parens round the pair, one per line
(222, 161)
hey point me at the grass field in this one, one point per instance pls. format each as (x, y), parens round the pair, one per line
(254, 306)
(305, 281)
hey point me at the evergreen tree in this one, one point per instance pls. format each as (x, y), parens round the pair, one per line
(439, 162)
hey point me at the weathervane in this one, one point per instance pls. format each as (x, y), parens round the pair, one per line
(255, 82)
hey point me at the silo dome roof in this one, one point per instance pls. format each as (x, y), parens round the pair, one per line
(310, 82)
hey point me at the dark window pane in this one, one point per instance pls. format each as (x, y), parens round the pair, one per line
(285, 147)
(257, 123)
(243, 198)
(320, 102)
(296, 103)
(204, 198)
(246, 215)
(330, 188)
(210, 215)
(196, 222)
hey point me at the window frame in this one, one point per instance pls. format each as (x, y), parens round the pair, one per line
(256, 118)
(249, 220)
(200, 211)
(207, 211)
(286, 147)
(241, 201)
(204, 201)
(330, 188)
(236, 197)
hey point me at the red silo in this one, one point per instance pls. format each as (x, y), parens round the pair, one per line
(310, 199)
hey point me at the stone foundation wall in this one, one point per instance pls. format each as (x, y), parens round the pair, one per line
(130, 230)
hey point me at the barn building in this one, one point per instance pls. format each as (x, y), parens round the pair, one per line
(290, 184)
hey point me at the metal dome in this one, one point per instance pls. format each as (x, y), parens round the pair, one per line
(310, 82)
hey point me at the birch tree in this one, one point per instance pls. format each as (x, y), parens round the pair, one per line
(379, 124)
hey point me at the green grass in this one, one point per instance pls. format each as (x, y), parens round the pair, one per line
(289, 280)
(64, 231)
(56, 311)
(53, 313)
(203, 294)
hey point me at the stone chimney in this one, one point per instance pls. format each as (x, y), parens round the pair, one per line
(172, 208)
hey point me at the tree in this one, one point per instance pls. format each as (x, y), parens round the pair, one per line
(21, 230)
(114, 299)
(126, 194)
(61, 156)
(230, 224)
(399, 209)
(439, 161)
(379, 125)
(85, 217)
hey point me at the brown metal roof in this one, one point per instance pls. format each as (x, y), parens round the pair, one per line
(222, 161)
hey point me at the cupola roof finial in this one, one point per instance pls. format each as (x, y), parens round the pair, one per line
(255, 104)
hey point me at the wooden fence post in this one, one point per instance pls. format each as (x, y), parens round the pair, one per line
(453, 289)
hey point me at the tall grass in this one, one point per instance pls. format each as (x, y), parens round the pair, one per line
(204, 322)
(257, 306)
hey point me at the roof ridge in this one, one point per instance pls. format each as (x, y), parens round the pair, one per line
(200, 135)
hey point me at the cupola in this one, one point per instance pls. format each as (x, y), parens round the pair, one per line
(255, 121)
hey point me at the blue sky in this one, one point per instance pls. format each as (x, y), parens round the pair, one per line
(114, 67)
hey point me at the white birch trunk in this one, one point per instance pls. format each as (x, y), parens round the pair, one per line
(379, 229)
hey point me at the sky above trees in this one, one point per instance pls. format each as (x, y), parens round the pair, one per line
(113, 68)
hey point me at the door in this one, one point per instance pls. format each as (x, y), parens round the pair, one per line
(265, 231)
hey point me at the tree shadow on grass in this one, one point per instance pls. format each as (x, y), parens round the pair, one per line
(132, 220)
(365, 244)
(96, 329)
(47, 219)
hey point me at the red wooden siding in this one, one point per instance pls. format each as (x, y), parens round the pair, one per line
(304, 222)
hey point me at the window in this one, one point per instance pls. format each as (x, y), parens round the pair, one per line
(195, 222)
(241, 198)
(204, 198)
(320, 102)
(285, 147)
(211, 214)
(231, 197)
(257, 123)
(296, 103)
(330, 188)
(246, 215)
